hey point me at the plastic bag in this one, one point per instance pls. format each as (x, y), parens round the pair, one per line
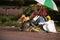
(49, 26)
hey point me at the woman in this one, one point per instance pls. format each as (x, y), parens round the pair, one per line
(38, 14)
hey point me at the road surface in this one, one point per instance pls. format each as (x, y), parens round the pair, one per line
(17, 35)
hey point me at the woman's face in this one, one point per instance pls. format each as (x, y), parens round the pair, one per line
(38, 7)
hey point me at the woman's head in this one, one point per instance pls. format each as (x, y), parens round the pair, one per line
(38, 6)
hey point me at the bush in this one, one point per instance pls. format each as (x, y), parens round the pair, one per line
(12, 23)
(4, 19)
(9, 21)
(29, 10)
(7, 18)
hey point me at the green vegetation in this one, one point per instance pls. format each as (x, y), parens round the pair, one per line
(29, 10)
(57, 27)
(9, 21)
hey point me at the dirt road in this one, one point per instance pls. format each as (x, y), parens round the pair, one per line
(17, 35)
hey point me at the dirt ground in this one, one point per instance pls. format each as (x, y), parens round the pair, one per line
(6, 34)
